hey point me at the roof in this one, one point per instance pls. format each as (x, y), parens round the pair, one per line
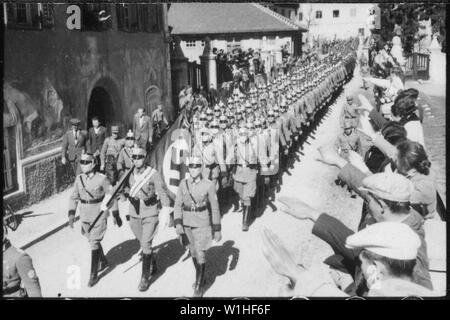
(219, 18)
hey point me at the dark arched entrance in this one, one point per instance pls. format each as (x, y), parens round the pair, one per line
(101, 105)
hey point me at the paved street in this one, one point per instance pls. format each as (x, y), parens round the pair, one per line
(237, 266)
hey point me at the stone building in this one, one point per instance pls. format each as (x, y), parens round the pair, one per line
(63, 61)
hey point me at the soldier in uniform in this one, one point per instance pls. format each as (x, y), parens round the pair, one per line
(246, 173)
(109, 154)
(92, 190)
(350, 112)
(124, 160)
(194, 221)
(19, 277)
(207, 151)
(74, 144)
(142, 190)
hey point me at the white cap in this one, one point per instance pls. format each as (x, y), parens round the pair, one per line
(393, 240)
(389, 186)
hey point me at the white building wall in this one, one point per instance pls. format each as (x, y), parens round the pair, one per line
(194, 49)
(352, 17)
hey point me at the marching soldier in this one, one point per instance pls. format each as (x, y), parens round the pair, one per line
(207, 152)
(246, 173)
(19, 277)
(109, 153)
(92, 190)
(195, 223)
(143, 188)
(124, 160)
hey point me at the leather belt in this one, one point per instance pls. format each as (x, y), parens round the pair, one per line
(92, 201)
(250, 166)
(211, 166)
(194, 209)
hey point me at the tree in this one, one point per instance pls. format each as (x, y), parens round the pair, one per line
(407, 16)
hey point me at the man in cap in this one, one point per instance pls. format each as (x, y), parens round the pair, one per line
(386, 253)
(348, 140)
(92, 191)
(97, 136)
(246, 173)
(388, 197)
(194, 222)
(73, 145)
(19, 277)
(143, 129)
(109, 154)
(124, 160)
(349, 112)
(144, 190)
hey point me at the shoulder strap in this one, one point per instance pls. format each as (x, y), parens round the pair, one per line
(84, 187)
(190, 194)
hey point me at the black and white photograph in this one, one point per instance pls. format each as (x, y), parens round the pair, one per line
(234, 150)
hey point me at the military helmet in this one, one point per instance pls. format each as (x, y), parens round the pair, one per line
(138, 151)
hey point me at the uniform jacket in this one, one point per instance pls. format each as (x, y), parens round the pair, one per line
(155, 187)
(204, 193)
(71, 148)
(145, 132)
(95, 187)
(96, 140)
(111, 147)
(124, 161)
(247, 160)
(18, 271)
(349, 142)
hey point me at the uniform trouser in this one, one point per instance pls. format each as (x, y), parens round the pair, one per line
(75, 167)
(144, 229)
(199, 241)
(246, 191)
(97, 233)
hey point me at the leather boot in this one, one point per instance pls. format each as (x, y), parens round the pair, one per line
(197, 272)
(245, 218)
(145, 282)
(153, 268)
(95, 256)
(103, 263)
(198, 291)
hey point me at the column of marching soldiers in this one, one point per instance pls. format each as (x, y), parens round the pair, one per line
(245, 144)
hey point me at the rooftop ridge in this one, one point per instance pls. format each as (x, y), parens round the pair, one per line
(278, 16)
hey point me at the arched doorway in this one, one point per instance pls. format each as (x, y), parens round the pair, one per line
(101, 105)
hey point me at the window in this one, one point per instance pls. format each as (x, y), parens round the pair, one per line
(138, 17)
(190, 44)
(318, 14)
(335, 13)
(300, 16)
(95, 16)
(353, 12)
(28, 15)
